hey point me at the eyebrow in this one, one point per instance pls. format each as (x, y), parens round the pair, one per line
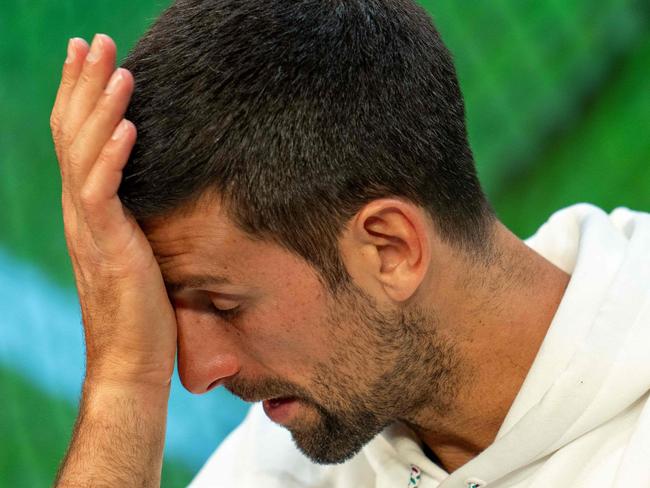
(200, 281)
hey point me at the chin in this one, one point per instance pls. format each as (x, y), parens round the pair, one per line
(333, 441)
(326, 453)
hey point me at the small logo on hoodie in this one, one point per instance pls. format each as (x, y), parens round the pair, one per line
(416, 475)
(475, 483)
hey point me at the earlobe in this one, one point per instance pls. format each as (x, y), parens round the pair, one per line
(393, 242)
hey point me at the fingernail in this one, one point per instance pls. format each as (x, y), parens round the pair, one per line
(71, 53)
(95, 49)
(120, 130)
(114, 82)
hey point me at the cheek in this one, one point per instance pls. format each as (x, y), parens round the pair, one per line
(288, 336)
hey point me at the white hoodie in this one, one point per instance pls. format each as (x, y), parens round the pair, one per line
(580, 420)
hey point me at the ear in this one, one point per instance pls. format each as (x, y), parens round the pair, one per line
(387, 247)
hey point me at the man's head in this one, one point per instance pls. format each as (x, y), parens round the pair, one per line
(258, 319)
(297, 113)
(315, 154)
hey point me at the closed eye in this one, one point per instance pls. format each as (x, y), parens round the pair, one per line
(223, 312)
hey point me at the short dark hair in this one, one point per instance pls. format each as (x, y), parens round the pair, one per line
(297, 113)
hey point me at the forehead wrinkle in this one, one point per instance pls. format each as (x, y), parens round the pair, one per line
(184, 262)
(168, 247)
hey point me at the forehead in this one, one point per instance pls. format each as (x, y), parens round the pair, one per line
(191, 232)
(203, 242)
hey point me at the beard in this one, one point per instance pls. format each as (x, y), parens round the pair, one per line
(336, 437)
(326, 436)
(385, 366)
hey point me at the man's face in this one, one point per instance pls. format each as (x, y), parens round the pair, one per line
(344, 368)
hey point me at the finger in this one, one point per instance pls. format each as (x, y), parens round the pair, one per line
(102, 210)
(99, 125)
(77, 51)
(98, 66)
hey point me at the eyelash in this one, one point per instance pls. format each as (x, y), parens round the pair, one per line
(225, 314)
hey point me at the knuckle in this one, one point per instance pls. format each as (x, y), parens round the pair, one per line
(88, 198)
(107, 153)
(86, 76)
(61, 137)
(103, 157)
(105, 107)
(67, 81)
(55, 127)
(68, 76)
(75, 155)
(54, 122)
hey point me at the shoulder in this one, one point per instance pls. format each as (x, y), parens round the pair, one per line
(261, 453)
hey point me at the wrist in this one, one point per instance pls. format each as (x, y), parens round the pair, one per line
(119, 436)
(105, 387)
(120, 373)
(108, 399)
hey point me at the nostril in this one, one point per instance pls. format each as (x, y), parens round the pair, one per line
(214, 384)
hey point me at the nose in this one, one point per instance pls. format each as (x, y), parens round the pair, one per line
(207, 354)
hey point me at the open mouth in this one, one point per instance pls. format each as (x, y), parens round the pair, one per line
(276, 402)
(280, 409)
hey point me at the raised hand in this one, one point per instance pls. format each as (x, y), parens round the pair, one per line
(129, 323)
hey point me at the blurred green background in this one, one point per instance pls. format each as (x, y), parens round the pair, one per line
(558, 108)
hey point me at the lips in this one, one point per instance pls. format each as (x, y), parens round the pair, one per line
(276, 402)
(281, 409)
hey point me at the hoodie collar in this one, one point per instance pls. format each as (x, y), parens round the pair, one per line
(594, 341)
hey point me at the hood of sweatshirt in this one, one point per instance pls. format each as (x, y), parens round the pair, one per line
(594, 362)
(593, 365)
